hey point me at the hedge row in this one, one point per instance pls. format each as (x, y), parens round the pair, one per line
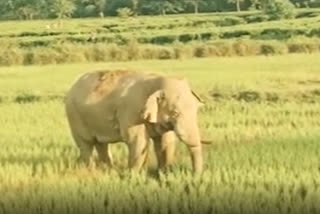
(242, 96)
(68, 52)
(266, 34)
(170, 23)
(122, 27)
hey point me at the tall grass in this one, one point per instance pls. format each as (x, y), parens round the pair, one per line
(12, 54)
(264, 159)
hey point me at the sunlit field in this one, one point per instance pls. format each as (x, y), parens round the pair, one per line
(262, 113)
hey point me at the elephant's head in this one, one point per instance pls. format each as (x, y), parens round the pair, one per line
(175, 106)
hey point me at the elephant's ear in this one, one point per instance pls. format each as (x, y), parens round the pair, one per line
(150, 111)
(197, 97)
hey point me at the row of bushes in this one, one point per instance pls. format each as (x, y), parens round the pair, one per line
(177, 22)
(255, 34)
(68, 52)
(242, 96)
(40, 34)
(122, 27)
(307, 96)
(148, 24)
(29, 97)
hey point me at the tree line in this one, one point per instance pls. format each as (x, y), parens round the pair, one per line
(44, 9)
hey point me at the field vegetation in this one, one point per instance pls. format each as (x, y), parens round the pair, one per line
(262, 112)
(257, 70)
(169, 37)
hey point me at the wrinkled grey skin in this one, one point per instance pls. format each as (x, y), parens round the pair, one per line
(133, 107)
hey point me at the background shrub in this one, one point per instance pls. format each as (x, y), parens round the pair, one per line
(279, 9)
(230, 21)
(124, 12)
(257, 18)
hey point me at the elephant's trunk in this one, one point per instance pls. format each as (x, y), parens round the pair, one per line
(188, 132)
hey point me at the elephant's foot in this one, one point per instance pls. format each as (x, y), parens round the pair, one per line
(165, 169)
(84, 161)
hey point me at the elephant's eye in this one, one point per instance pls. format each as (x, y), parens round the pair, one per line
(175, 113)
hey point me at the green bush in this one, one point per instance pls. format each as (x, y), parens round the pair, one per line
(35, 43)
(280, 34)
(186, 37)
(235, 34)
(25, 97)
(279, 9)
(257, 18)
(90, 10)
(315, 32)
(230, 21)
(209, 35)
(124, 12)
(307, 14)
(163, 39)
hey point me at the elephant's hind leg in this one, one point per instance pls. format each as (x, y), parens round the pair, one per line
(104, 153)
(80, 135)
(164, 147)
(86, 149)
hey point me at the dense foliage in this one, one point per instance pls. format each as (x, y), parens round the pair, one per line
(278, 9)
(35, 9)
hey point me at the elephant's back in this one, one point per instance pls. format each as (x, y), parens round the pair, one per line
(93, 87)
(91, 103)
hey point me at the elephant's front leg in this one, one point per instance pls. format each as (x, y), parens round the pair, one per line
(196, 157)
(104, 153)
(165, 149)
(138, 141)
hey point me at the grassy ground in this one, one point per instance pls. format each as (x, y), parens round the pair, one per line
(263, 114)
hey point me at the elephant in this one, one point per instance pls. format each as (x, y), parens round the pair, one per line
(134, 107)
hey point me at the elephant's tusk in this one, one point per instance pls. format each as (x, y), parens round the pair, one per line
(206, 141)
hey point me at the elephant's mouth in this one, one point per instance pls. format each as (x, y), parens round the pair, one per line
(167, 126)
(160, 128)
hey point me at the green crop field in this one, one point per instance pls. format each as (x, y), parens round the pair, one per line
(262, 113)
(154, 37)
